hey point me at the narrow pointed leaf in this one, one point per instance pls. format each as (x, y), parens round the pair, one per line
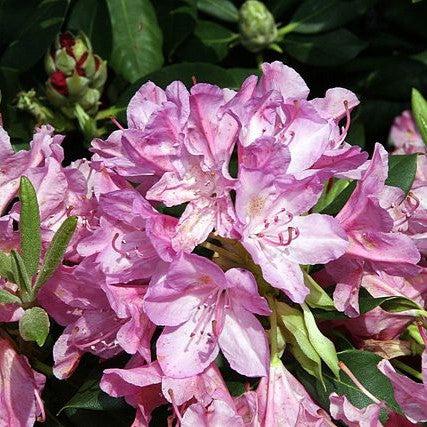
(20, 274)
(8, 298)
(419, 110)
(34, 325)
(29, 226)
(292, 325)
(6, 266)
(317, 298)
(56, 251)
(323, 345)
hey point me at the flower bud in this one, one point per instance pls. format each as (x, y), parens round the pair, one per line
(257, 26)
(76, 74)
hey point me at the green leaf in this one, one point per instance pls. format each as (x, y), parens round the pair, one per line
(363, 365)
(339, 197)
(317, 298)
(401, 171)
(36, 35)
(6, 266)
(236, 388)
(399, 304)
(292, 325)
(177, 24)
(279, 7)
(326, 50)
(90, 396)
(215, 36)
(330, 193)
(34, 325)
(221, 9)
(137, 39)
(29, 226)
(86, 123)
(56, 251)
(323, 345)
(8, 298)
(356, 134)
(315, 16)
(419, 110)
(11, 22)
(91, 17)
(20, 274)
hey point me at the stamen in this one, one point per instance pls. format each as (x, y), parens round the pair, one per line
(345, 129)
(115, 121)
(116, 248)
(293, 233)
(413, 201)
(194, 80)
(174, 405)
(357, 383)
(42, 417)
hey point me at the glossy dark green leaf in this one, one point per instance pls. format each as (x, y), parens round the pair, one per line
(363, 365)
(34, 325)
(356, 134)
(92, 17)
(339, 198)
(11, 22)
(315, 16)
(177, 24)
(235, 388)
(330, 192)
(56, 250)
(29, 226)
(407, 17)
(221, 9)
(280, 7)
(379, 78)
(419, 111)
(208, 36)
(401, 171)
(326, 50)
(36, 35)
(90, 396)
(137, 38)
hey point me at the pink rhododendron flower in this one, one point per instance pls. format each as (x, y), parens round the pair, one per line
(342, 410)
(146, 386)
(205, 310)
(410, 395)
(20, 389)
(279, 237)
(13, 165)
(374, 247)
(206, 206)
(283, 401)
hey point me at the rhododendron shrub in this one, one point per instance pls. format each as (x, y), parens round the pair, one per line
(227, 258)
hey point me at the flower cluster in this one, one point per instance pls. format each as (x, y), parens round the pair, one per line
(201, 227)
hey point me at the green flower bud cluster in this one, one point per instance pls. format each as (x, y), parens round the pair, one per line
(258, 29)
(76, 74)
